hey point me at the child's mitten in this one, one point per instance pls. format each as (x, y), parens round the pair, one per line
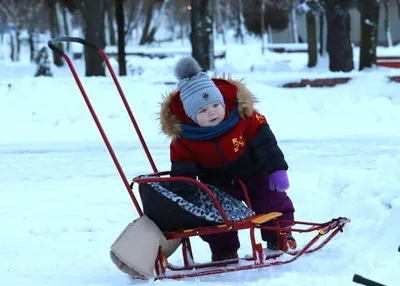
(279, 181)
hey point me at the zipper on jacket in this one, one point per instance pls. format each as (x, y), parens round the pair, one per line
(223, 160)
(221, 154)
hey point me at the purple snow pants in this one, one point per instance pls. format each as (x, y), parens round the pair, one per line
(263, 201)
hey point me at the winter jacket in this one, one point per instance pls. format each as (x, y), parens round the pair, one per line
(242, 152)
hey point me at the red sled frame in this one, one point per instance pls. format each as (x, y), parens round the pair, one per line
(191, 269)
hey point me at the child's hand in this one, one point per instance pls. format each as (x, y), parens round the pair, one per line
(279, 181)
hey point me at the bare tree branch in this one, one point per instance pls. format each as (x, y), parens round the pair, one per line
(9, 9)
(134, 16)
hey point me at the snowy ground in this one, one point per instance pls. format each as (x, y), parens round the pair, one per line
(62, 203)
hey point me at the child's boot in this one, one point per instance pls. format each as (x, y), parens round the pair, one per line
(220, 256)
(291, 242)
(273, 244)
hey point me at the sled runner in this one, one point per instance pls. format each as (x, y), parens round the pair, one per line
(143, 248)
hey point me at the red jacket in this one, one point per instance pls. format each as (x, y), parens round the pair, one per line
(224, 154)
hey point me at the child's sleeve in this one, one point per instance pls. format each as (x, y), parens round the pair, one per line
(262, 141)
(182, 164)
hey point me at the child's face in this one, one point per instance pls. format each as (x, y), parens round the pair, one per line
(210, 115)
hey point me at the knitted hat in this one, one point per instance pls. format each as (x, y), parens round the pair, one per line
(196, 87)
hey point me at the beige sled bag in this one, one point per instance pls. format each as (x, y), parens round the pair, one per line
(135, 250)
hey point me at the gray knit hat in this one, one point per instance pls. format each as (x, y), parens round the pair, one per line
(196, 87)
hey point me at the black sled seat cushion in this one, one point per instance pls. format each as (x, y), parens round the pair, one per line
(171, 212)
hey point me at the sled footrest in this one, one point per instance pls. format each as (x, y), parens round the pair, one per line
(264, 218)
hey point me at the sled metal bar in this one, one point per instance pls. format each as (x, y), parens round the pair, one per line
(52, 46)
(93, 113)
(364, 281)
(52, 43)
(128, 109)
(305, 250)
(244, 267)
(322, 227)
(296, 254)
(189, 180)
(246, 194)
(326, 240)
(242, 185)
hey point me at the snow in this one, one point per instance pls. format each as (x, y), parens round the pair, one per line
(62, 203)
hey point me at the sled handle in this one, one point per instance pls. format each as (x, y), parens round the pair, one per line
(52, 43)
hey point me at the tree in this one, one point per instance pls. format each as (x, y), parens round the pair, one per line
(218, 21)
(311, 8)
(109, 6)
(322, 34)
(134, 15)
(2, 30)
(293, 21)
(338, 30)
(338, 40)
(146, 34)
(43, 63)
(150, 27)
(398, 7)
(239, 19)
(386, 22)
(93, 12)
(276, 15)
(54, 29)
(119, 15)
(312, 39)
(369, 10)
(65, 15)
(10, 11)
(22, 14)
(32, 15)
(202, 33)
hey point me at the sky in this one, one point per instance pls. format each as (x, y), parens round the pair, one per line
(62, 203)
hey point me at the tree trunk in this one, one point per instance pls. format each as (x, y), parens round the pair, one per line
(94, 33)
(369, 10)
(312, 39)
(270, 38)
(322, 34)
(119, 15)
(66, 25)
(54, 30)
(293, 21)
(12, 46)
(202, 33)
(398, 7)
(146, 28)
(218, 22)
(18, 41)
(133, 17)
(262, 22)
(239, 18)
(31, 45)
(1, 45)
(386, 23)
(110, 20)
(338, 39)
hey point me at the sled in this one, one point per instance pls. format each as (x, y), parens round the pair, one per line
(323, 232)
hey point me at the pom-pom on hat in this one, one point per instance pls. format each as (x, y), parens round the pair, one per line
(196, 87)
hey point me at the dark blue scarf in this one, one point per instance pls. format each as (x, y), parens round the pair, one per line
(195, 132)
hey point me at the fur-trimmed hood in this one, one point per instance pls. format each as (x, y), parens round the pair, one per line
(235, 94)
